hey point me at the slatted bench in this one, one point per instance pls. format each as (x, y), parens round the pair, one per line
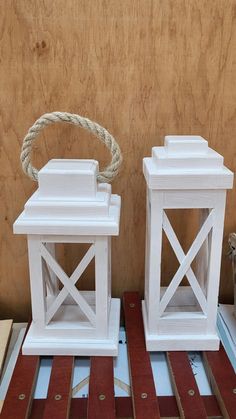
(144, 404)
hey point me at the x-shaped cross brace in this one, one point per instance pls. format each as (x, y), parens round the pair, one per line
(185, 262)
(69, 284)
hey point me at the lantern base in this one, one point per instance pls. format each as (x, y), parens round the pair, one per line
(36, 344)
(180, 342)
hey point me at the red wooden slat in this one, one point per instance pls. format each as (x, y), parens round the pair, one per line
(168, 407)
(145, 403)
(223, 380)
(101, 401)
(59, 390)
(186, 390)
(212, 407)
(18, 400)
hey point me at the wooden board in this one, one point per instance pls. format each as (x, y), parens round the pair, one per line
(144, 398)
(223, 379)
(142, 69)
(101, 401)
(185, 387)
(5, 333)
(144, 401)
(59, 391)
(21, 388)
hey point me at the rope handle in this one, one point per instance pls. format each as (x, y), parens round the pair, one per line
(107, 175)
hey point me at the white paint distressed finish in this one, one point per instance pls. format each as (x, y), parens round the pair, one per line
(153, 267)
(184, 174)
(180, 256)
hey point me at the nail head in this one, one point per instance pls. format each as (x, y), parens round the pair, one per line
(191, 392)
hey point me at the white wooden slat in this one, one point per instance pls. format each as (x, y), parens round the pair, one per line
(202, 257)
(54, 280)
(37, 285)
(180, 256)
(206, 227)
(74, 278)
(215, 260)
(153, 257)
(101, 285)
(48, 279)
(72, 290)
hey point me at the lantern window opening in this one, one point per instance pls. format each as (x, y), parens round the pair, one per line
(193, 295)
(59, 298)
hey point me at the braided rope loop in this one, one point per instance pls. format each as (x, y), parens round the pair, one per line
(107, 175)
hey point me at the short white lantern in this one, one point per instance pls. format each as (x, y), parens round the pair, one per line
(185, 173)
(73, 204)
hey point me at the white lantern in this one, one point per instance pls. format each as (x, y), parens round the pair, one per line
(71, 207)
(185, 173)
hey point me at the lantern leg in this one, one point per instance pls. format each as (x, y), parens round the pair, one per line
(153, 259)
(202, 258)
(37, 284)
(215, 261)
(102, 285)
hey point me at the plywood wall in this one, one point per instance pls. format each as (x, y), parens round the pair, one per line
(142, 69)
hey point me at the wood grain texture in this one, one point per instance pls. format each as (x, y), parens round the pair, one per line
(21, 389)
(59, 391)
(168, 407)
(145, 402)
(223, 380)
(190, 403)
(5, 334)
(101, 398)
(142, 69)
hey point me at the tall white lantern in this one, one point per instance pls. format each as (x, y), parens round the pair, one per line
(185, 173)
(71, 207)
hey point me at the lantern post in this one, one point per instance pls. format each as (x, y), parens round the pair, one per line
(184, 174)
(70, 206)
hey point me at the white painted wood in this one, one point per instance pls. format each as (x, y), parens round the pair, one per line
(73, 279)
(185, 144)
(70, 207)
(153, 271)
(186, 262)
(35, 344)
(183, 296)
(170, 180)
(180, 256)
(178, 341)
(72, 226)
(68, 178)
(68, 284)
(185, 173)
(50, 276)
(202, 258)
(190, 199)
(215, 260)
(37, 284)
(101, 285)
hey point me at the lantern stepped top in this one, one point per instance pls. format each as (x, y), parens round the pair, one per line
(70, 201)
(186, 162)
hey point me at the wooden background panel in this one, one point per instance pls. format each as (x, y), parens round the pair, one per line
(142, 69)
